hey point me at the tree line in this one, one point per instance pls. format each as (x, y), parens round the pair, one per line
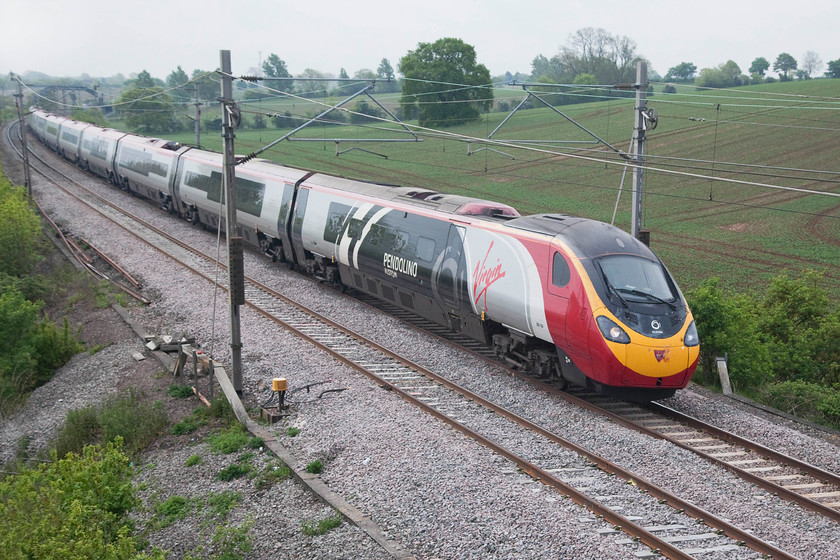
(728, 74)
(428, 86)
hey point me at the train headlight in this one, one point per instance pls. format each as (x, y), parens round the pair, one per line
(612, 331)
(691, 338)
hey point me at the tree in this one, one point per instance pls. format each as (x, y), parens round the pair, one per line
(143, 80)
(610, 58)
(343, 74)
(784, 64)
(386, 72)
(435, 76)
(311, 86)
(682, 72)
(207, 83)
(364, 74)
(811, 63)
(833, 69)
(727, 74)
(275, 67)
(759, 66)
(148, 110)
(176, 82)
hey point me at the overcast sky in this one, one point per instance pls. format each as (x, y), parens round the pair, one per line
(106, 37)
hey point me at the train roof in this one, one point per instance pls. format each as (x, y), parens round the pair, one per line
(424, 198)
(588, 238)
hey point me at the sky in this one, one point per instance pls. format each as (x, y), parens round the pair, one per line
(102, 38)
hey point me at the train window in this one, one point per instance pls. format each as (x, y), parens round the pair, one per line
(425, 250)
(636, 277)
(210, 184)
(335, 221)
(142, 163)
(560, 273)
(249, 196)
(354, 230)
(376, 235)
(399, 241)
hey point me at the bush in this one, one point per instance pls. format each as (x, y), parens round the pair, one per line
(810, 401)
(74, 508)
(32, 349)
(20, 231)
(124, 416)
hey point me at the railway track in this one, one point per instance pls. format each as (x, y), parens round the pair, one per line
(809, 486)
(671, 526)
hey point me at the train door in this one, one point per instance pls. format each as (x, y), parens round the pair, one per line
(297, 225)
(559, 285)
(284, 218)
(450, 272)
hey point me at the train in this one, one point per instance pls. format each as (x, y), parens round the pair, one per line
(569, 299)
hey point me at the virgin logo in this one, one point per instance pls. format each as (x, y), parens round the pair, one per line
(484, 277)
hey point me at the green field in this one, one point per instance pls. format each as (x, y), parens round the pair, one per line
(742, 233)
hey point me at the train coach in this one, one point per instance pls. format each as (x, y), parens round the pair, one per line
(567, 298)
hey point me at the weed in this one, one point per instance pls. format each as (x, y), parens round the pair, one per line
(324, 525)
(272, 474)
(232, 543)
(194, 460)
(235, 470)
(174, 508)
(220, 408)
(219, 505)
(184, 427)
(315, 467)
(291, 431)
(229, 441)
(180, 391)
(256, 443)
(93, 350)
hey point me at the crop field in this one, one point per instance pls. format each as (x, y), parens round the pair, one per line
(745, 232)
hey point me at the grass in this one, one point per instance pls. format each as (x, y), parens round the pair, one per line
(323, 526)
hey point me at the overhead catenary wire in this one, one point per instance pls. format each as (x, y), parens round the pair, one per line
(499, 143)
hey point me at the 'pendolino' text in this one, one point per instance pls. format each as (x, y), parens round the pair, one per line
(399, 264)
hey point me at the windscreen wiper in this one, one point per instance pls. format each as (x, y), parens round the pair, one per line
(636, 292)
